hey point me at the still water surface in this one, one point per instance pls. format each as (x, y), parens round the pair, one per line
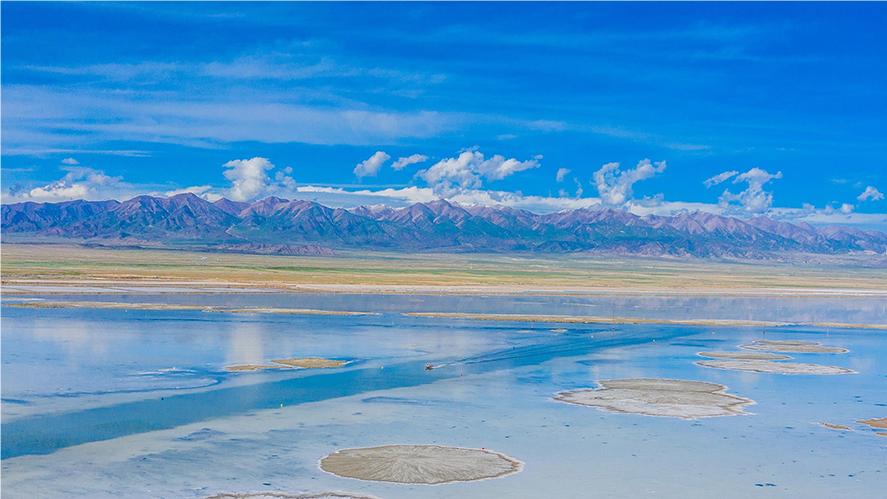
(129, 403)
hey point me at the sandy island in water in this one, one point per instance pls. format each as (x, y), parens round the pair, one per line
(659, 397)
(591, 319)
(744, 355)
(836, 426)
(793, 346)
(419, 464)
(301, 363)
(310, 363)
(877, 423)
(166, 306)
(767, 366)
(237, 368)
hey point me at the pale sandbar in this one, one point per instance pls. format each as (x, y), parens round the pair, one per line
(236, 368)
(592, 319)
(793, 346)
(770, 367)
(877, 423)
(659, 397)
(170, 306)
(310, 363)
(419, 464)
(744, 355)
(296, 362)
(836, 427)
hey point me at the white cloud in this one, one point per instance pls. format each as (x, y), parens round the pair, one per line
(334, 196)
(871, 193)
(204, 191)
(284, 180)
(579, 189)
(86, 183)
(754, 199)
(720, 177)
(471, 197)
(59, 191)
(70, 162)
(82, 119)
(248, 177)
(830, 215)
(561, 174)
(78, 183)
(470, 169)
(615, 185)
(405, 161)
(370, 166)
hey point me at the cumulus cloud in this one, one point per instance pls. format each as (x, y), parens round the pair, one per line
(470, 168)
(405, 161)
(284, 180)
(870, 193)
(204, 191)
(754, 199)
(843, 214)
(59, 191)
(370, 166)
(335, 196)
(70, 162)
(720, 177)
(78, 183)
(615, 185)
(561, 174)
(579, 189)
(249, 177)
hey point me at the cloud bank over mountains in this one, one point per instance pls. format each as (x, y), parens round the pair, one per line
(753, 199)
(467, 178)
(470, 169)
(615, 185)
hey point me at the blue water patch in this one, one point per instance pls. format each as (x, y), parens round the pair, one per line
(44, 434)
(14, 401)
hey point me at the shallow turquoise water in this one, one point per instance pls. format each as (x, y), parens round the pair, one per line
(139, 401)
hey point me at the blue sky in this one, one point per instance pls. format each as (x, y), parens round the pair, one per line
(246, 100)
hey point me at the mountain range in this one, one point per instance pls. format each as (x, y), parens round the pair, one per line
(275, 225)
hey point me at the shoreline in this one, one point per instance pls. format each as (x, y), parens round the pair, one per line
(573, 319)
(37, 269)
(123, 287)
(526, 318)
(176, 307)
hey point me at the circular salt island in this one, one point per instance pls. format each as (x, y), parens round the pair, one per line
(419, 464)
(659, 397)
(744, 355)
(793, 346)
(766, 366)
